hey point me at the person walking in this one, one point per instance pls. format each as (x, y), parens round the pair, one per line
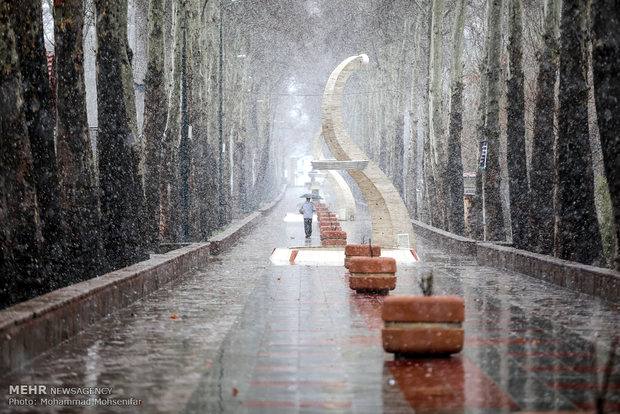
(307, 209)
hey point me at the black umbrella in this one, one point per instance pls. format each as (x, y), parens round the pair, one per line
(313, 196)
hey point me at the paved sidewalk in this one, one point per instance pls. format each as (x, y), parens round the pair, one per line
(241, 335)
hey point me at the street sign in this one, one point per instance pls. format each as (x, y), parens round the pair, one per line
(484, 150)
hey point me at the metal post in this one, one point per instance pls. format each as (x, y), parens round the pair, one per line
(482, 165)
(484, 207)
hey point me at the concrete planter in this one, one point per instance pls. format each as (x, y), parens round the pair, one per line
(364, 250)
(423, 325)
(372, 274)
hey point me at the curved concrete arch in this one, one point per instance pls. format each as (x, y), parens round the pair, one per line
(343, 194)
(387, 210)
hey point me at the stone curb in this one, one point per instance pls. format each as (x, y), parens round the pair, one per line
(452, 242)
(237, 229)
(595, 281)
(30, 328)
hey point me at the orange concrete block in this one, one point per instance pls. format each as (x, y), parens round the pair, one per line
(352, 250)
(375, 282)
(362, 250)
(423, 324)
(334, 242)
(334, 234)
(408, 308)
(427, 340)
(358, 264)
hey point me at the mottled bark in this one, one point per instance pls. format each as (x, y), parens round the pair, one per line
(540, 229)
(155, 113)
(122, 198)
(399, 151)
(169, 184)
(411, 174)
(474, 218)
(605, 67)
(435, 108)
(198, 55)
(39, 115)
(261, 186)
(20, 277)
(184, 148)
(399, 120)
(577, 233)
(515, 130)
(383, 141)
(454, 166)
(426, 207)
(492, 177)
(78, 189)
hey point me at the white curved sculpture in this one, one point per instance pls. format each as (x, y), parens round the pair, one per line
(390, 218)
(342, 191)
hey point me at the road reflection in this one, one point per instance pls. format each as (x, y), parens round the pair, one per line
(445, 385)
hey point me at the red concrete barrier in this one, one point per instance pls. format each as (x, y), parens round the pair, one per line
(423, 325)
(372, 274)
(424, 309)
(372, 265)
(352, 250)
(334, 242)
(362, 250)
(333, 234)
(333, 238)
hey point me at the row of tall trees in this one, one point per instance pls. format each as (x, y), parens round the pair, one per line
(202, 157)
(513, 81)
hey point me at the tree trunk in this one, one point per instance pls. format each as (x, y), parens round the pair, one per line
(169, 189)
(399, 150)
(19, 276)
(605, 65)
(454, 167)
(122, 198)
(515, 130)
(184, 146)
(540, 229)
(156, 107)
(399, 119)
(577, 233)
(474, 218)
(39, 115)
(78, 190)
(411, 175)
(426, 207)
(435, 108)
(199, 55)
(492, 177)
